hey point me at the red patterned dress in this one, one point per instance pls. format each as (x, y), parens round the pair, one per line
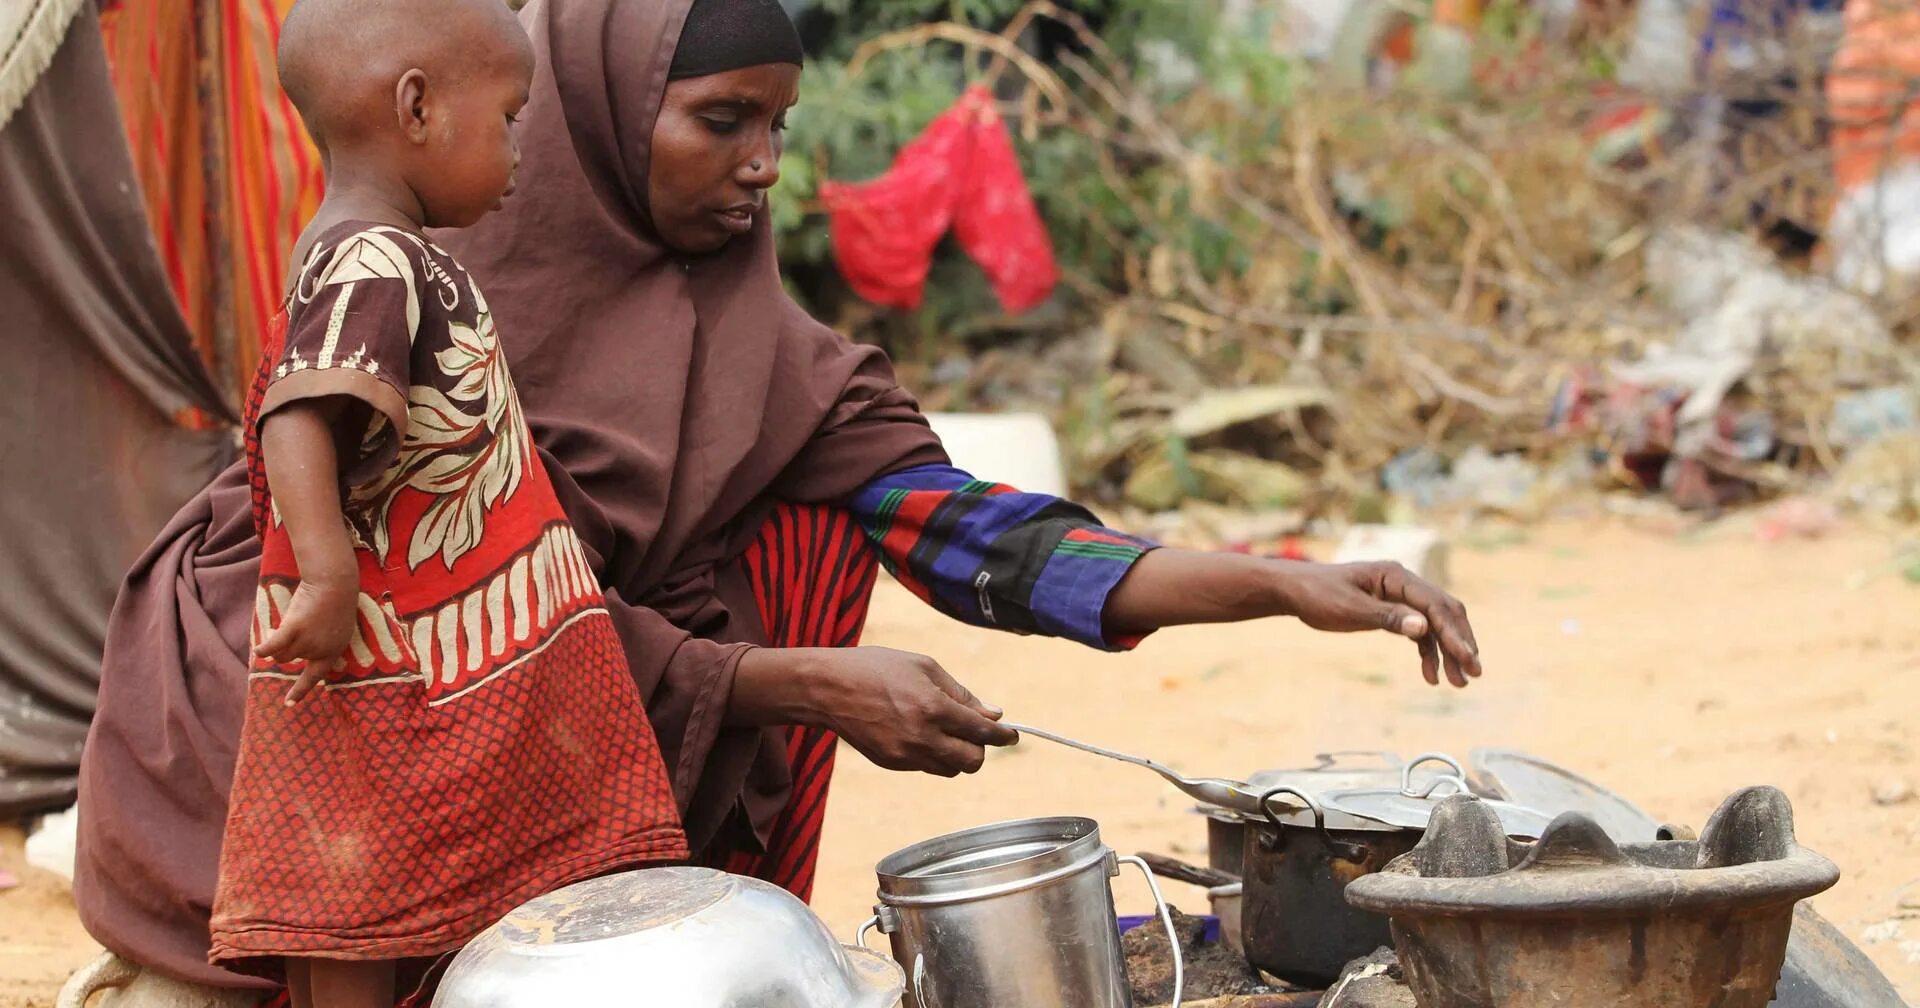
(485, 742)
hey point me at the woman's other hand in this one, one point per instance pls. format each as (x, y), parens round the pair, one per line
(900, 710)
(1346, 598)
(1171, 587)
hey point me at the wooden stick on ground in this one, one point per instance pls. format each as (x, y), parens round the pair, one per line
(1180, 871)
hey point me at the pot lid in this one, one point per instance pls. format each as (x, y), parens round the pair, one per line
(1536, 783)
(1396, 808)
(1336, 771)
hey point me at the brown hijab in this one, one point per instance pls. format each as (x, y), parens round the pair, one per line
(679, 396)
(673, 401)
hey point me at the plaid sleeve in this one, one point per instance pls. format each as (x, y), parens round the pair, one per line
(991, 556)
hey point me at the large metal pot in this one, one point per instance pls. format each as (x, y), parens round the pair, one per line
(1227, 829)
(1014, 914)
(1294, 919)
(686, 937)
(1295, 922)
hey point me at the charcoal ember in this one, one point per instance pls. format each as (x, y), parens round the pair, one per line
(1212, 969)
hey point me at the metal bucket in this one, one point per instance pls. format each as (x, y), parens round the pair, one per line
(1017, 913)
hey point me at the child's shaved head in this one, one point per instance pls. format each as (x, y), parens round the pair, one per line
(341, 59)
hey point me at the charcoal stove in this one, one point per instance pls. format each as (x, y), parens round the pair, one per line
(1483, 921)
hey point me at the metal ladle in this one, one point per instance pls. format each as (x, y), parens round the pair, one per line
(1231, 794)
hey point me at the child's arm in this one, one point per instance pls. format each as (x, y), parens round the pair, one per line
(297, 446)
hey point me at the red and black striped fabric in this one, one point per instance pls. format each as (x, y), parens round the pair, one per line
(813, 571)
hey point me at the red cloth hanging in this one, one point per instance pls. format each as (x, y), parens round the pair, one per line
(960, 172)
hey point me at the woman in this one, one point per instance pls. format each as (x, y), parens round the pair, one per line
(728, 463)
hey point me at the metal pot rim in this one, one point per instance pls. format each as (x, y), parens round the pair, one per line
(1077, 845)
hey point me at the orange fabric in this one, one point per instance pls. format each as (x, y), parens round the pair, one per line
(228, 173)
(1457, 13)
(1877, 66)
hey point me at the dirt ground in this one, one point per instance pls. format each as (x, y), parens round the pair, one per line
(1673, 668)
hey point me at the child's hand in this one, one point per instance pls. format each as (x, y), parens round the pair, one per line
(319, 625)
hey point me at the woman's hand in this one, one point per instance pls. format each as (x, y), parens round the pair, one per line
(1170, 587)
(900, 710)
(1346, 598)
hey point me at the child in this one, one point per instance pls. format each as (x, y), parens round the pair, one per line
(439, 721)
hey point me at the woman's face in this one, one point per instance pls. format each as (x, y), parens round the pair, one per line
(716, 152)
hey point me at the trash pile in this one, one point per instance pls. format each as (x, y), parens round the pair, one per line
(1433, 259)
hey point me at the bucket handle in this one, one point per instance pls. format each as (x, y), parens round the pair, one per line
(885, 922)
(882, 920)
(1166, 921)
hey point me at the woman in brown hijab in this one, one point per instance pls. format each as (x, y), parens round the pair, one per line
(736, 471)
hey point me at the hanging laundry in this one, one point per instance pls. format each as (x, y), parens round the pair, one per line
(960, 172)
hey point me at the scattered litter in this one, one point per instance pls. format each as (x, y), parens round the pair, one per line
(1234, 529)
(1892, 792)
(1420, 550)
(1492, 482)
(50, 847)
(1019, 449)
(1164, 479)
(1216, 411)
(1419, 476)
(1885, 931)
(1478, 480)
(1797, 518)
(1882, 479)
(1865, 417)
(1289, 548)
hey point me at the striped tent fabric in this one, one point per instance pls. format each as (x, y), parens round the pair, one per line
(227, 171)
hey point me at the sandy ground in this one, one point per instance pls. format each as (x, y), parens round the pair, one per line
(1672, 668)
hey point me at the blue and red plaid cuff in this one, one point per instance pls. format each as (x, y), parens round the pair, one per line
(992, 556)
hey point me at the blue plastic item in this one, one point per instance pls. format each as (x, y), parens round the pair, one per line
(1210, 934)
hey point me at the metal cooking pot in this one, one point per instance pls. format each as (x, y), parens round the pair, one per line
(1296, 922)
(1014, 914)
(1227, 829)
(687, 937)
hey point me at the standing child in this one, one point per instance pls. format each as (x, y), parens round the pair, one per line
(439, 720)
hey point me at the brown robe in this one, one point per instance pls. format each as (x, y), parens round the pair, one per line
(674, 400)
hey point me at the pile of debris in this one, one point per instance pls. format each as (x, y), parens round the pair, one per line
(1336, 297)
